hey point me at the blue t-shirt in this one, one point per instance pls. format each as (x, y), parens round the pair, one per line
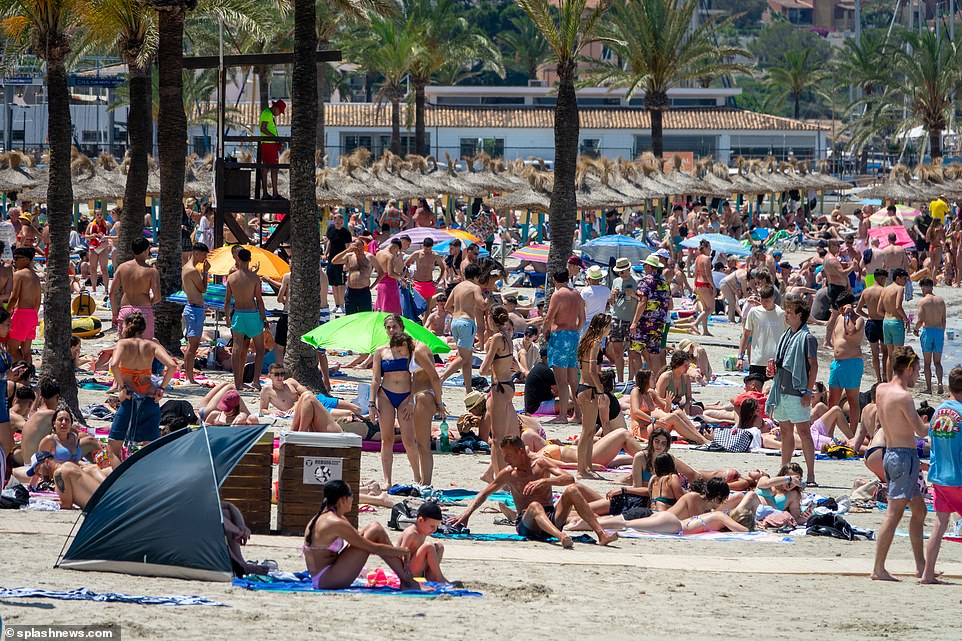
(945, 466)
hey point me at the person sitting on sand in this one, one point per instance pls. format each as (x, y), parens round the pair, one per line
(664, 488)
(783, 491)
(721, 412)
(22, 407)
(697, 511)
(336, 552)
(425, 555)
(223, 405)
(74, 483)
(280, 397)
(238, 534)
(530, 478)
(674, 384)
(649, 409)
(700, 368)
(642, 465)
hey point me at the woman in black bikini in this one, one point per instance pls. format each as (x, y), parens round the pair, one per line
(664, 488)
(391, 400)
(591, 392)
(674, 380)
(500, 364)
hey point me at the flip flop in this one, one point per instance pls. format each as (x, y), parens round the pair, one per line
(811, 484)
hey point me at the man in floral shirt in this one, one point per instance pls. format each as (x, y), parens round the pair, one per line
(649, 328)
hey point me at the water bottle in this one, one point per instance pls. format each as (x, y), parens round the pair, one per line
(445, 437)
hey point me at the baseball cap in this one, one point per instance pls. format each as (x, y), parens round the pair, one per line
(574, 260)
(664, 254)
(40, 457)
(229, 401)
(281, 105)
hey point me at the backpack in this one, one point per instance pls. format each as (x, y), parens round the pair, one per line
(401, 516)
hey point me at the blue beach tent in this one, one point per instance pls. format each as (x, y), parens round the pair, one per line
(159, 513)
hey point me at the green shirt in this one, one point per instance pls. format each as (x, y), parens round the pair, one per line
(268, 116)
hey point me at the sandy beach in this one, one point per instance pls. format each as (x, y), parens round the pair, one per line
(635, 588)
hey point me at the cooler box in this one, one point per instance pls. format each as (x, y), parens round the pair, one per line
(307, 461)
(249, 486)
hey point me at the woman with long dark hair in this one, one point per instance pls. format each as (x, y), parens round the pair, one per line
(500, 363)
(392, 401)
(335, 551)
(591, 392)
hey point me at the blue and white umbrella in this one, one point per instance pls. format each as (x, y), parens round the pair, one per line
(442, 247)
(602, 250)
(720, 243)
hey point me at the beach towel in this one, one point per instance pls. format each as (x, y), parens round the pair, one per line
(503, 536)
(301, 582)
(757, 537)
(83, 594)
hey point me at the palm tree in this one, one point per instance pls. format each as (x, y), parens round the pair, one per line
(305, 230)
(858, 62)
(567, 28)
(525, 47)
(656, 47)
(384, 47)
(442, 37)
(130, 28)
(795, 75)
(47, 27)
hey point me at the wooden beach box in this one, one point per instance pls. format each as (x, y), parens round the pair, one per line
(249, 486)
(307, 461)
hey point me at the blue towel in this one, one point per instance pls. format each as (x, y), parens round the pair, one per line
(503, 536)
(303, 584)
(83, 594)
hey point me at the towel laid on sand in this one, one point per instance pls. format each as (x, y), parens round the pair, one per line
(758, 537)
(83, 594)
(503, 536)
(302, 583)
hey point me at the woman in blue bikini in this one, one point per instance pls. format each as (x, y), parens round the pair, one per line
(335, 551)
(783, 491)
(391, 398)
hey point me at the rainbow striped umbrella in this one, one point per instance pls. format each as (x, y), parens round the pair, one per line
(905, 212)
(534, 252)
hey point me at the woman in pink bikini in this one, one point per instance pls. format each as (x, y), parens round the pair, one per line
(335, 551)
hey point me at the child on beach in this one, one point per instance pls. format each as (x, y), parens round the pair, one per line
(425, 555)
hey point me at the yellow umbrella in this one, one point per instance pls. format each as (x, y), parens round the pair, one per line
(262, 261)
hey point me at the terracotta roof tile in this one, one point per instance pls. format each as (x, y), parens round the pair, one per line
(369, 116)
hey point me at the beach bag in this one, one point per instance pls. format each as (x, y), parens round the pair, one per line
(401, 516)
(14, 498)
(829, 525)
(732, 439)
(838, 451)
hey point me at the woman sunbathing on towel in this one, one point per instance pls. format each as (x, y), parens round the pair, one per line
(782, 491)
(336, 552)
(223, 405)
(606, 451)
(649, 409)
(699, 510)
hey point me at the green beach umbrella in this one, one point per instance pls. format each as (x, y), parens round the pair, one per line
(364, 332)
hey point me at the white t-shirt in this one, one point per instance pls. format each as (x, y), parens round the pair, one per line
(9, 237)
(766, 328)
(596, 300)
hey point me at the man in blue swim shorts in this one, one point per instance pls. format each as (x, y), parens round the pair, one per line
(931, 320)
(565, 316)
(848, 366)
(194, 278)
(466, 305)
(246, 318)
(895, 320)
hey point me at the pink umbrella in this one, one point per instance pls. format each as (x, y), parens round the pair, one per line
(902, 238)
(418, 234)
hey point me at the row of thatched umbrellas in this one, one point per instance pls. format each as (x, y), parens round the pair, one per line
(925, 182)
(601, 182)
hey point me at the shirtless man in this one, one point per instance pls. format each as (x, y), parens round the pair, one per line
(135, 288)
(24, 302)
(704, 286)
(194, 278)
(530, 478)
(562, 325)
(424, 262)
(358, 264)
(895, 321)
(931, 320)
(868, 308)
(874, 263)
(138, 419)
(902, 425)
(734, 287)
(848, 367)
(438, 317)
(390, 270)
(894, 257)
(75, 484)
(247, 318)
(836, 278)
(280, 397)
(423, 215)
(467, 307)
(40, 423)
(22, 406)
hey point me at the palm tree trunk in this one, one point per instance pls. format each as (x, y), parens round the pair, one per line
(138, 137)
(657, 103)
(420, 136)
(798, 105)
(321, 97)
(149, 71)
(56, 303)
(395, 125)
(562, 210)
(263, 86)
(172, 135)
(305, 232)
(935, 143)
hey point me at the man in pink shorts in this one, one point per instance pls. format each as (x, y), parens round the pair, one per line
(135, 288)
(945, 469)
(24, 301)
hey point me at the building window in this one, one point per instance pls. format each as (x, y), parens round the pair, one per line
(699, 145)
(407, 144)
(491, 146)
(590, 147)
(89, 135)
(352, 143)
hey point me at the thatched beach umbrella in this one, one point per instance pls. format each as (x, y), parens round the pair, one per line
(15, 172)
(898, 187)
